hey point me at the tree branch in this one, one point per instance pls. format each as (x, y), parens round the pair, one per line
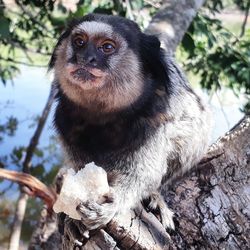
(243, 27)
(171, 22)
(35, 187)
(35, 138)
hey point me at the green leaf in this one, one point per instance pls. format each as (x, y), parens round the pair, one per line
(18, 153)
(188, 43)
(50, 176)
(4, 27)
(39, 152)
(38, 170)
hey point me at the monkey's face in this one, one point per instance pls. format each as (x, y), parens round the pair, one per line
(95, 64)
(90, 55)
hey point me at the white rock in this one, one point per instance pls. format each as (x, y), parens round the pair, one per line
(88, 183)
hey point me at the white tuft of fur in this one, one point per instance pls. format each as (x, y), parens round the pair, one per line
(94, 28)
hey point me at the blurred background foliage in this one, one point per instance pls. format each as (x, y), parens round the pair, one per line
(214, 52)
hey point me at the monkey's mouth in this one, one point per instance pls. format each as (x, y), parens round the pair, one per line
(83, 75)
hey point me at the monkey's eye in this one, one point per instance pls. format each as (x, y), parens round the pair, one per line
(79, 41)
(108, 47)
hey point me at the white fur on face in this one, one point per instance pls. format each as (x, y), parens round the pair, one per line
(94, 28)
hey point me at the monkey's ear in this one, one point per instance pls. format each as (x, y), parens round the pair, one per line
(151, 54)
(149, 47)
(150, 42)
(52, 61)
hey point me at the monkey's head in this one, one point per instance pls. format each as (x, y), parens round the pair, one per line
(104, 63)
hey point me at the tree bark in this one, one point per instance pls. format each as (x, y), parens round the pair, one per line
(211, 205)
(171, 22)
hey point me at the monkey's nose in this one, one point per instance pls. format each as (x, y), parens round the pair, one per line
(91, 61)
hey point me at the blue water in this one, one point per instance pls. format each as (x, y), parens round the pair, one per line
(25, 99)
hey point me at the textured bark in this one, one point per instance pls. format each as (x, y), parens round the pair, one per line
(46, 236)
(211, 205)
(172, 21)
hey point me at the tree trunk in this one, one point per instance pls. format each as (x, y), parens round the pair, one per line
(171, 22)
(211, 205)
(18, 220)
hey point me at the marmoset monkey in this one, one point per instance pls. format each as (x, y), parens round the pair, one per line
(125, 105)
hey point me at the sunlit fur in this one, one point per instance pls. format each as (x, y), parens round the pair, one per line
(138, 119)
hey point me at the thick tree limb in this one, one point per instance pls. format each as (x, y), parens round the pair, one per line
(172, 21)
(211, 204)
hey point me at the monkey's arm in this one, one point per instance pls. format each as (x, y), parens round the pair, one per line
(138, 178)
(95, 215)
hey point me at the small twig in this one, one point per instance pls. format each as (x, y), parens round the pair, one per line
(156, 5)
(27, 55)
(129, 9)
(243, 27)
(35, 187)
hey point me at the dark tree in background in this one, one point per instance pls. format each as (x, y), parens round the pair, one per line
(211, 204)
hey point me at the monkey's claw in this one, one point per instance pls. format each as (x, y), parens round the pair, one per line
(94, 215)
(157, 203)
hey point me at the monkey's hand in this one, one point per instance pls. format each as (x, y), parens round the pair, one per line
(97, 214)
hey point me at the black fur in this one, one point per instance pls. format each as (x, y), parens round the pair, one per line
(106, 143)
